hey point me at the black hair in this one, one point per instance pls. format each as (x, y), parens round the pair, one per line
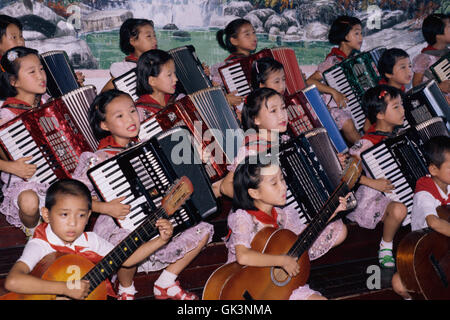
(67, 187)
(433, 25)
(5, 21)
(388, 60)
(231, 30)
(10, 63)
(130, 29)
(253, 104)
(375, 100)
(97, 111)
(340, 28)
(435, 149)
(149, 65)
(248, 176)
(261, 69)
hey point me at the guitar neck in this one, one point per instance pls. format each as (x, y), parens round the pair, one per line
(319, 222)
(117, 256)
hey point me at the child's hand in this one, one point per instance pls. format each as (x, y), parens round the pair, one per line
(206, 69)
(445, 86)
(383, 185)
(80, 78)
(165, 229)
(118, 210)
(342, 205)
(233, 99)
(343, 157)
(339, 98)
(290, 265)
(21, 168)
(80, 291)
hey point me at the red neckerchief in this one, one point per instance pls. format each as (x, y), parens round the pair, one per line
(146, 101)
(16, 106)
(427, 184)
(338, 53)
(235, 56)
(39, 233)
(264, 218)
(384, 81)
(428, 48)
(110, 143)
(376, 136)
(255, 140)
(131, 58)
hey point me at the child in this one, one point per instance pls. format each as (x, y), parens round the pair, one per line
(136, 37)
(23, 82)
(240, 41)
(156, 81)
(259, 194)
(268, 73)
(10, 34)
(436, 31)
(66, 213)
(431, 192)
(114, 120)
(346, 33)
(383, 105)
(395, 68)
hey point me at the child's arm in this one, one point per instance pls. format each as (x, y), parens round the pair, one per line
(165, 231)
(19, 167)
(226, 187)
(316, 79)
(20, 281)
(108, 86)
(249, 257)
(439, 225)
(113, 208)
(381, 184)
(417, 79)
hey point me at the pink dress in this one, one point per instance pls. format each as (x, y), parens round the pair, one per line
(340, 115)
(106, 227)
(14, 185)
(244, 227)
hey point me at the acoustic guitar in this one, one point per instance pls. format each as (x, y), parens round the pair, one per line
(236, 282)
(59, 266)
(423, 262)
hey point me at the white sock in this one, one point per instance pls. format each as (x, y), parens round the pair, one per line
(166, 279)
(386, 245)
(128, 290)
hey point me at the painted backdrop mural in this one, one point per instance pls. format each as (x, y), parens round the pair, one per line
(88, 29)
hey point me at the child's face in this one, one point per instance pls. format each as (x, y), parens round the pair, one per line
(354, 37)
(246, 39)
(272, 115)
(31, 78)
(276, 80)
(11, 39)
(402, 73)
(443, 172)
(166, 81)
(146, 40)
(121, 119)
(272, 187)
(394, 114)
(68, 217)
(446, 36)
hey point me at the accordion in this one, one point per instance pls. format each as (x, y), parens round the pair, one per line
(237, 75)
(61, 78)
(127, 83)
(308, 186)
(189, 69)
(353, 77)
(207, 114)
(424, 102)
(441, 68)
(144, 172)
(52, 134)
(399, 159)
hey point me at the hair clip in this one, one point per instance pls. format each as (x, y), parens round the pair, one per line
(256, 65)
(382, 94)
(12, 55)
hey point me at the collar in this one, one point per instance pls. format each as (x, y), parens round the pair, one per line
(338, 53)
(148, 99)
(17, 106)
(384, 81)
(376, 136)
(235, 56)
(264, 218)
(110, 145)
(44, 232)
(428, 48)
(131, 58)
(427, 184)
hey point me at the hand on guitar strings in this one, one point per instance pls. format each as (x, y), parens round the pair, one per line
(165, 229)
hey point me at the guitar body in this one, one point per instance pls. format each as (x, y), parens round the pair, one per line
(235, 282)
(423, 262)
(60, 267)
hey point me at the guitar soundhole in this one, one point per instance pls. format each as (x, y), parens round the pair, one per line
(279, 276)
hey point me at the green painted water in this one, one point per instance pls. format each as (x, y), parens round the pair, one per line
(105, 47)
